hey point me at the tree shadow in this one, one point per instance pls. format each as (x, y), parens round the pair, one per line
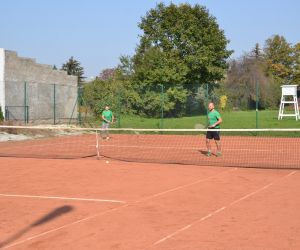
(48, 217)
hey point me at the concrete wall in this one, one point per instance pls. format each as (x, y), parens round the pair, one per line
(44, 87)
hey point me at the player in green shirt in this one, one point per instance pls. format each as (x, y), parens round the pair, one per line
(108, 118)
(214, 121)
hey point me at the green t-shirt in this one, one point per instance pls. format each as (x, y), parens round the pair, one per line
(107, 115)
(213, 117)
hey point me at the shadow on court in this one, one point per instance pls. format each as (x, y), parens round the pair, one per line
(48, 217)
(204, 152)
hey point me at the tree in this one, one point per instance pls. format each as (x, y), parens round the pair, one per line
(187, 39)
(257, 52)
(278, 63)
(180, 46)
(153, 72)
(73, 67)
(296, 65)
(107, 74)
(126, 66)
(283, 62)
(113, 92)
(240, 84)
(279, 55)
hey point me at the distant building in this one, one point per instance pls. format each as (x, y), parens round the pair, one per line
(33, 92)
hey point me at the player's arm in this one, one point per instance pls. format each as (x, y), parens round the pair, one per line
(218, 122)
(104, 118)
(112, 118)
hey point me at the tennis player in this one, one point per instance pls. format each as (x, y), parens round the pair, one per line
(214, 121)
(108, 118)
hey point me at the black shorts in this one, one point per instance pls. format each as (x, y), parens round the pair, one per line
(213, 135)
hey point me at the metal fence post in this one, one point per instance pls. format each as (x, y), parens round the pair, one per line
(119, 109)
(257, 102)
(162, 106)
(79, 101)
(25, 103)
(206, 102)
(54, 105)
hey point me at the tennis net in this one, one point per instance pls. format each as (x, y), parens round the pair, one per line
(259, 148)
(47, 142)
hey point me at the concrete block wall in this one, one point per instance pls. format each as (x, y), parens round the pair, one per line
(39, 92)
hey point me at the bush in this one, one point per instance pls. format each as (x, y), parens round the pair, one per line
(223, 102)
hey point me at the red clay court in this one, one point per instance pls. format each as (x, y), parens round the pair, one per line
(91, 204)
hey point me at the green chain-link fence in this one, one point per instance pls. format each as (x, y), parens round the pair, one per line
(33, 102)
(156, 106)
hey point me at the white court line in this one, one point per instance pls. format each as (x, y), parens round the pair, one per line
(188, 226)
(111, 210)
(251, 194)
(60, 198)
(181, 187)
(218, 211)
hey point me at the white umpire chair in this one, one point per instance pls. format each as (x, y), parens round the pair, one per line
(289, 96)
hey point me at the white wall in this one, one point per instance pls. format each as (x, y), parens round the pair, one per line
(2, 83)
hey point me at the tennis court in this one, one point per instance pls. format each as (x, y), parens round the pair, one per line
(89, 204)
(85, 203)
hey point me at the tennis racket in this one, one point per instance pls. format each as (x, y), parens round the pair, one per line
(199, 126)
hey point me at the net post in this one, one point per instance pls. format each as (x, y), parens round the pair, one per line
(97, 145)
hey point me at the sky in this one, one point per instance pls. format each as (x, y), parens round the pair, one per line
(98, 32)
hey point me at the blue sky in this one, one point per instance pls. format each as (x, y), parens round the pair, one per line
(98, 32)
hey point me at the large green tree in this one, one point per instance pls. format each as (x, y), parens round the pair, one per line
(181, 45)
(74, 68)
(188, 41)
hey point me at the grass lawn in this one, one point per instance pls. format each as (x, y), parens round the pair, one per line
(233, 119)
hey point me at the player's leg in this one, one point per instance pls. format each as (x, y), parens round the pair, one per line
(104, 130)
(218, 142)
(208, 138)
(107, 131)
